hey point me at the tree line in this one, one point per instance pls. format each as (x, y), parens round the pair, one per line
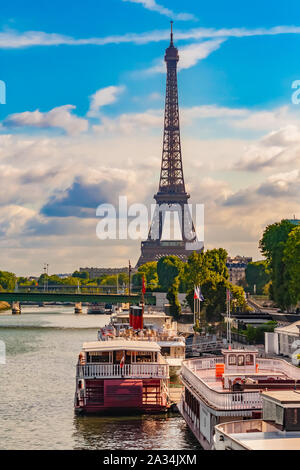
(206, 269)
(280, 244)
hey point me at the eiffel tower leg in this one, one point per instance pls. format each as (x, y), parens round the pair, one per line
(160, 224)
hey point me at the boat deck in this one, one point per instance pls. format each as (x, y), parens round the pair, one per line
(208, 376)
(276, 440)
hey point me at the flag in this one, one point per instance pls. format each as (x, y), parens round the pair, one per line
(229, 295)
(122, 362)
(198, 294)
(201, 298)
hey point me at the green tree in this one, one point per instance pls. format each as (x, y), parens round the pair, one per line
(257, 274)
(272, 246)
(149, 270)
(208, 270)
(81, 274)
(238, 297)
(291, 258)
(200, 266)
(169, 270)
(7, 280)
(110, 280)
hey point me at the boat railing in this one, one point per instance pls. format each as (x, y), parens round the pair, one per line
(206, 346)
(279, 365)
(231, 400)
(95, 371)
(204, 363)
(220, 400)
(272, 365)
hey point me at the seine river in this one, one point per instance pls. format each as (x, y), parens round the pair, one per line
(37, 386)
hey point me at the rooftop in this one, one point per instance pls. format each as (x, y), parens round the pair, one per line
(120, 345)
(284, 397)
(276, 440)
(293, 328)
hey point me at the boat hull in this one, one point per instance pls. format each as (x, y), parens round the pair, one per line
(121, 396)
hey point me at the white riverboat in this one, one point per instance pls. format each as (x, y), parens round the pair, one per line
(121, 376)
(278, 430)
(157, 326)
(228, 387)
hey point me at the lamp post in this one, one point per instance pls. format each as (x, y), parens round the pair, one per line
(129, 275)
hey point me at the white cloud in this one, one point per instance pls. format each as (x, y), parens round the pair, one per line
(189, 56)
(103, 97)
(153, 6)
(129, 123)
(122, 156)
(11, 39)
(60, 117)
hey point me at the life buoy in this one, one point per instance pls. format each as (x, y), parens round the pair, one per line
(81, 358)
(238, 380)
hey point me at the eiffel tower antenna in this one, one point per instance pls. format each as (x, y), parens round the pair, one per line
(171, 191)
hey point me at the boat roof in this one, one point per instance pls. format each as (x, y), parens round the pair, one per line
(171, 343)
(284, 397)
(120, 345)
(145, 315)
(276, 440)
(293, 328)
(239, 351)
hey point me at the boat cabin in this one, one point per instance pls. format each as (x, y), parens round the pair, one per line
(121, 375)
(120, 351)
(150, 319)
(241, 360)
(282, 408)
(278, 430)
(240, 367)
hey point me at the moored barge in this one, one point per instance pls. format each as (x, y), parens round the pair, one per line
(121, 376)
(278, 430)
(228, 387)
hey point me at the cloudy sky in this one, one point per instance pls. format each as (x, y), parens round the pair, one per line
(82, 122)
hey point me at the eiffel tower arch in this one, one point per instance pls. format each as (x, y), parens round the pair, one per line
(171, 196)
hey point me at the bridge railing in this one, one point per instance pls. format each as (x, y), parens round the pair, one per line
(98, 371)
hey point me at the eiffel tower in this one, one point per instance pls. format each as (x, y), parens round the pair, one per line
(171, 198)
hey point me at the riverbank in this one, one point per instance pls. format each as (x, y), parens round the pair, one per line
(4, 306)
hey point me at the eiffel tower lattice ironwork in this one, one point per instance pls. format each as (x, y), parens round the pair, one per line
(171, 196)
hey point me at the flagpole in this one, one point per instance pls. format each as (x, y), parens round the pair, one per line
(229, 320)
(194, 308)
(200, 299)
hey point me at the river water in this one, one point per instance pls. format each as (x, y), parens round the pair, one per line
(37, 386)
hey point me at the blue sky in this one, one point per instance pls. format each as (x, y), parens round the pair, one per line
(84, 108)
(254, 72)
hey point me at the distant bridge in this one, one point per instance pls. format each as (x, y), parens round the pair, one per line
(40, 297)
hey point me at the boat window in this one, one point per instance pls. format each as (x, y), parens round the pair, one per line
(292, 421)
(241, 360)
(165, 351)
(232, 359)
(98, 356)
(249, 360)
(143, 356)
